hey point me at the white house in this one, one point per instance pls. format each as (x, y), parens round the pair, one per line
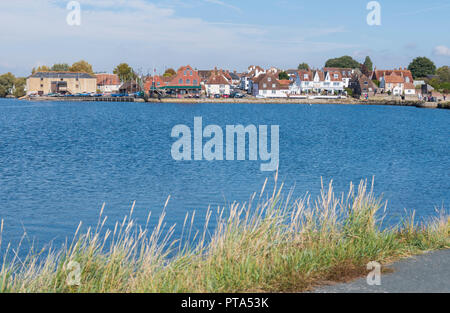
(217, 84)
(269, 86)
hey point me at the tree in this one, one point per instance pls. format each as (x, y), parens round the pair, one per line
(170, 72)
(42, 68)
(421, 67)
(283, 75)
(368, 64)
(19, 87)
(303, 66)
(63, 67)
(342, 62)
(365, 70)
(125, 72)
(81, 67)
(444, 73)
(6, 84)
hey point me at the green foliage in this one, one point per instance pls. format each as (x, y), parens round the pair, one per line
(349, 92)
(283, 75)
(19, 87)
(42, 68)
(82, 67)
(421, 67)
(365, 70)
(368, 63)
(444, 73)
(6, 84)
(376, 82)
(170, 72)
(63, 67)
(125, 72)
(343, 62)
(303, 66)
(442, 82)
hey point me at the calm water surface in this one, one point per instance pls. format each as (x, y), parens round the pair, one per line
(59, 161)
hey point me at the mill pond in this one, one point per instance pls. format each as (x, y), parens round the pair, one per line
(60, 161)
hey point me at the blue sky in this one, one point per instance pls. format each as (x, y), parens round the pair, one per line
(229, 34)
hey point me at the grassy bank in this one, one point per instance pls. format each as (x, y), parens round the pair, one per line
(273, 243)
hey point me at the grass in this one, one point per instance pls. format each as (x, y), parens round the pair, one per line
(273, 243)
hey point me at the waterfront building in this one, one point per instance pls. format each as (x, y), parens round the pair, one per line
(218, 84)
(269, 86)
(363, 85)
(187, 81)
(398, 81)
(44, 83)
(108, 83)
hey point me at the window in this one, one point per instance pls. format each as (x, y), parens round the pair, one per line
(180, 81)
(336, 76)
(274, 86)
(305, 76)
(42, 79)
(188, 81)
(195, 82)
(264, 85)
(407, 79)
(77, 86)
(274, 91)
(185, 72)
(62, 79)
(269, 79)
(159, 83)
(42, 86)
(191, 73)
(222, 86)
(264, 91)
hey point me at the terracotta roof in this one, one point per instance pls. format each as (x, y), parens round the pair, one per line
(302, 74)
(333, 73)
(217, 78)
(378, 74)
(107, 79)
(394, 79)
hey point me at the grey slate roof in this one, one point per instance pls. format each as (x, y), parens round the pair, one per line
(61, 75)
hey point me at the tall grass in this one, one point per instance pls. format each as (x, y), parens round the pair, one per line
(271, 243)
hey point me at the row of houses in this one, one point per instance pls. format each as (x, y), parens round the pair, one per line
(257, 81)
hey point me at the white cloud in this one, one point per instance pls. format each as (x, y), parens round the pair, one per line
(147, 36)
(442, 51)
(224, 4)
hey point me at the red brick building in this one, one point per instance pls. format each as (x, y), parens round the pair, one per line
(186, 81)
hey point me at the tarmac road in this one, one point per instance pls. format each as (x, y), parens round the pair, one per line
(428, 273)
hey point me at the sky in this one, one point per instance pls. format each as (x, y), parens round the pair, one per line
(230, 34)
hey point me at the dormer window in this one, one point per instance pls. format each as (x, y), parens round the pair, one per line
(336, 76)
(269, 79)
(305, 76)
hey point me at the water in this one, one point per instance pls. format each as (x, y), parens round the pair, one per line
(59, 161)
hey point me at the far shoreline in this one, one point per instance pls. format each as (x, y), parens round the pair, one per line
(346, 101)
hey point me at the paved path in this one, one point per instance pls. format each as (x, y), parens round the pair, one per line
(429, 273)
